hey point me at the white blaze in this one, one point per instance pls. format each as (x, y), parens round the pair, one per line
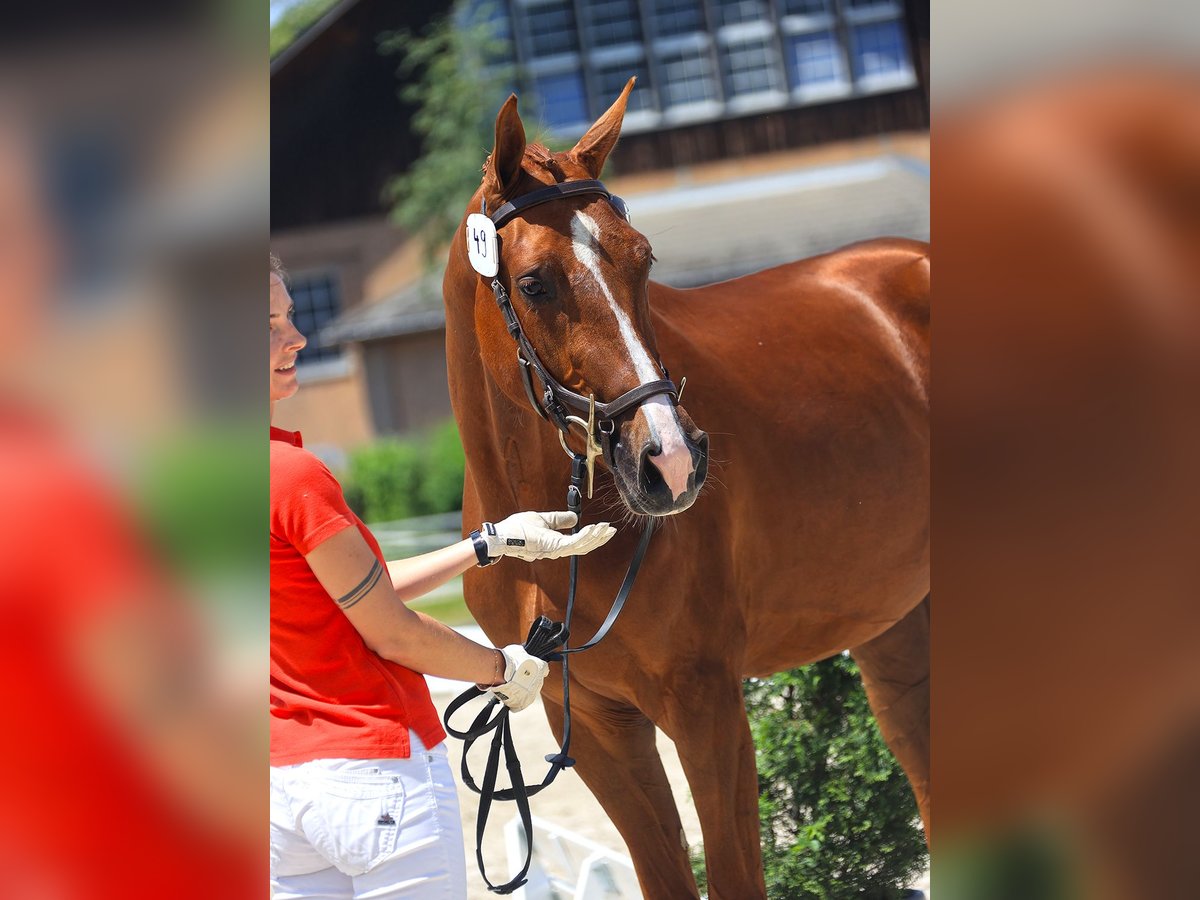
(675, 461)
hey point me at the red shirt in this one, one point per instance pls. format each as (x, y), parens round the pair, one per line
(332, 697)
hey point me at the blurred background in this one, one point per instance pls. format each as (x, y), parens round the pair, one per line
(1066, 632)
(133, 602)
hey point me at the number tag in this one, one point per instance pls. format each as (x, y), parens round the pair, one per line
(482, 247)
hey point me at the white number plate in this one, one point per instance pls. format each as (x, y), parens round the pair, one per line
(482, 246)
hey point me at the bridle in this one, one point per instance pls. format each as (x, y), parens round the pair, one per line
(555, 398)
(547, 639)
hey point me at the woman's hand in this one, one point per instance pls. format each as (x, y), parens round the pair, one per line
(532, 535)
(523, 677)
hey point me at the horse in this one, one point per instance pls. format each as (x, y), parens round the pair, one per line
(795, 528)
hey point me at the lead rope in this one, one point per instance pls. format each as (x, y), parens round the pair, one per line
(546, 640)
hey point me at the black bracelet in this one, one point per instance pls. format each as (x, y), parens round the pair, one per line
(481, 550)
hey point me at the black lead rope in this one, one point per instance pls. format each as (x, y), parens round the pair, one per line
(546, 640)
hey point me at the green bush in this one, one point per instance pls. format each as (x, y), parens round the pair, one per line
(837, 814)
(441, 487)
(397, 479)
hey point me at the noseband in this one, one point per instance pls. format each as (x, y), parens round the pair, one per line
(556, 399)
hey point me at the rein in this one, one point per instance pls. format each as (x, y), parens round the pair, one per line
(547, 639)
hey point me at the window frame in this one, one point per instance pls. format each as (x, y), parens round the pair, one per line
(336, 362)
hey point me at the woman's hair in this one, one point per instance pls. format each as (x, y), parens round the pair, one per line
(277, 269)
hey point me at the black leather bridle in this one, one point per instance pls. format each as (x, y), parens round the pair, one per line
(555, 398)
(548, 640)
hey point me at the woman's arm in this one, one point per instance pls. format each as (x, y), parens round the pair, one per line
(418, 575)
(359, 584)
(525, 535)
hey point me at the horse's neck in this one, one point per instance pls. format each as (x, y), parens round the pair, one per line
(513, 456)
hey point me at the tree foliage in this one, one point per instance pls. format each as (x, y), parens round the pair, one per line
(838, 816)
(295, 20)
(455, 76)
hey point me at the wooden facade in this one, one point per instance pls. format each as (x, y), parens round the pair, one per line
(785, 129)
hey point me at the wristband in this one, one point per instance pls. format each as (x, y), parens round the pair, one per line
(481, 550)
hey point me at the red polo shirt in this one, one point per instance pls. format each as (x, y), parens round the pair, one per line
(332, 697)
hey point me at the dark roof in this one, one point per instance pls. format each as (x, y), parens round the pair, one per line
(411, 310)
(339, 130)
(310, 34)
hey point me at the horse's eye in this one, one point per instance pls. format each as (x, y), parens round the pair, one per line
(531, 288)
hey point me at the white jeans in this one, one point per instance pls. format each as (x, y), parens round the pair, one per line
(367, 829)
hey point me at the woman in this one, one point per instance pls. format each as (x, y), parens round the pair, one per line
(362, 799)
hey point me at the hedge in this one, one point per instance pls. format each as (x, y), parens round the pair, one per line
(398, 478)
(838, 818)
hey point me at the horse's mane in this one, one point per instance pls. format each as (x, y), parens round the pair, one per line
(539, 155)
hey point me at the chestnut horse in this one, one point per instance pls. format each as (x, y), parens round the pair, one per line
(813, 378)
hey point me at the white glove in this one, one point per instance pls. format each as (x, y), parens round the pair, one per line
(531, 535)
(523, 677)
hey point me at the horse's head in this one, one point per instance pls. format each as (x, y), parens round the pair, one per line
(577, 274)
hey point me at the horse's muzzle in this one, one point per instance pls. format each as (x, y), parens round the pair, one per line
(653, 493)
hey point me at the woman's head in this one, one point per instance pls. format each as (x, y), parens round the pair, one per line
(286, 341)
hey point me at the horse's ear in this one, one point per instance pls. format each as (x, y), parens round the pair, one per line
(593, 148)
(504, 167)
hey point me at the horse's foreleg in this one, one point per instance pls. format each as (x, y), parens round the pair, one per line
(705, 716)
(613, 745)
(895, 673)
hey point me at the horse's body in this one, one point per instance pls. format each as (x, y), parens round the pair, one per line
(812, 379)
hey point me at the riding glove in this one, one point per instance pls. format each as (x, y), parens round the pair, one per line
(532, 535)
(523, 677)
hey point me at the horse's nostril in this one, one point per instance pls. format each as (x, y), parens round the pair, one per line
(649, 475)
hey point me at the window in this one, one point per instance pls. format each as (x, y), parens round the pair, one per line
(880, 53)
(550, 28)
(815, 60)
(610, 81)
(689, 77)
(563, 99)
(700, 60)
(752, 67)
(804, 7)
(671, 17)
(612, 22)
(859, 9)
(734, 12)
(318, 301)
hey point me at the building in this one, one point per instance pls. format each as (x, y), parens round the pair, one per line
(804, 122)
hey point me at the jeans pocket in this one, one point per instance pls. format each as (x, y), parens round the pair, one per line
(357, 819)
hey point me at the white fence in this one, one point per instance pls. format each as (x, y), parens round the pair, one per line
(567, 866)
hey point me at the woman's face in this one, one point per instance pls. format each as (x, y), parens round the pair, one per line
(286, 342)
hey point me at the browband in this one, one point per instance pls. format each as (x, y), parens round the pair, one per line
(544, 195)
